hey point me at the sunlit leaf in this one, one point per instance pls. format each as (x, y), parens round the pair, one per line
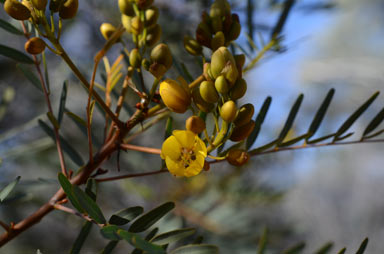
(15, 54)
(7, 189)
(79, 242)
(196, 249)
(125, 216)
(9, 27)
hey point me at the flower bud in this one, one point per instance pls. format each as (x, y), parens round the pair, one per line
(234, 31)
(218, 41)
(244, 115)
(144, 4)
(192, 46)
(217, 24)
(220, 8)
(151, 16)
(34, 46)
(207, 72)
(242, 132)
(68, 9)
(228, 111)
(126, 21)
(240, 60)
(237, 157)
(107, 30)
(17, 10)
(200, 103)
(162, 55)
(238, 90)
(135, 58)
(204, 34)
(208, 92)
(222, 62)
(130, 71)
(54, 5)
(39, 4)
(221, 85)
(136, 25)
(146, 64)
(195, 124)
(157, 70)
(35, 18)
(175, 96)
(153, 35)
(126, 8)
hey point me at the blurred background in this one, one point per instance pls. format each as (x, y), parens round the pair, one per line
(313, 195)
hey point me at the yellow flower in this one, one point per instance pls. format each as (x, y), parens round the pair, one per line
(184, 153)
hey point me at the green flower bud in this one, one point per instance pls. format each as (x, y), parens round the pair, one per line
(146, 64)
(17, 10)
(242, 132)
(175, 95)
(238, 90)
(68, 9)
(151, 16)
(162, 55)
(130, 71)
(208, 92)
(240, 60)
(217, 24)
(220, 8)
(218, 41)
(153, 35)
(136, 25)
(144, 4)
(107, 30)
(126, 21)
(221, 85)
(228, 111)
(204, 34)
(192, 46)
(237, 157)
(244, 115)
(222, 62)
(234, 31)
(135, 58)
(195, 124)
(126, 8)
(34, 46)
(39, 4)
(200, 103)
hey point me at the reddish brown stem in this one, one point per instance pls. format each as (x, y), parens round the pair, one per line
(141, 149)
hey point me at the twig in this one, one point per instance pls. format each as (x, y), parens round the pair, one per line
(114, 178)
(259, 55)
(71, 211)
(5, 226)
(197, 81)
(140, 148)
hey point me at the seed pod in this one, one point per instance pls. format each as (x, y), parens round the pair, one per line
(136, 25)
(237, 157)
(208, 92)
(68, 9)
(242, 132)
(17, 10)
(217, 41)
(144, 4)
(107, 30)
(135, 58)
(126, 8)
(153, 35)
(175, 96)
(39, 4)
(162, 55)
(228, 111)
(222, 62)
(151, 16)
(220, 8)
(34, 46)
(238, 90)
(244, 115)
(195, 124)
(192, 46)
(221, 85)
(200, 103)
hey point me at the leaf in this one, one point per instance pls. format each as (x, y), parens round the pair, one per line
(296, 249)
(53, 120)
(89, 205)
(263, 147)
(348, 123)
(374, 123)
(9, 27)
(313, 141)
(148, 219)
(293, 141)
(320, 114)
(72, 153)
(168, 127)
(7, 189)
(291, 118)
(326, 248)
(110, 247)
(263, 242)
(67, 188)
(110, 232)
(63, 99)
(342, 251)
(258, 122)
(173, 236)
(363, 246)
(30, 76)
(125, 216)
(148, 237)
(196, 249)
(91, 188)
(15, 54)
(85, 230)
(140, 243)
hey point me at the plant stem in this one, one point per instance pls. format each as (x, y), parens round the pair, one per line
(140, 148)
(114, 178)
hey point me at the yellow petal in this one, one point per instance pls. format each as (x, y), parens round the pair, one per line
(185, 138)
(199, 160)
(192, 170)
(175, 167)
(200, 147)
(171, 148)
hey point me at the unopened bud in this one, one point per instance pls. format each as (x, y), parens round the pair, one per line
(237, 157)
(220, 8)
(136, 25)
(126, 21)
(208, 92)
(195, 124)
(240, 61)
(244, 115)
(217, 41)
(238, 90)
(39, 4)
(222, 62)
(151, 16)
(242, 132)
(207, 72)
(204, 34)
(130, 71)
(192, 46)
(135, 58)
(126, 8)
(68, 9)
(34, 46)
(175, 96)
(200, 103)
(145, 63)
(144, 4)
(217, 24)
(221, 85)
(162, 55)
(153, 35)
(17, 10)
(157, 70)
(234, 31)
(107, 30)
(228, 111)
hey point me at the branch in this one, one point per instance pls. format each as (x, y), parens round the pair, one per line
(114, 178)
(141, 148)
(71, 211)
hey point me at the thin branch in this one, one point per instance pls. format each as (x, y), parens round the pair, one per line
(259, 55)
(141, 149)
(114, 178)
(197, 81)
(71, 211)
(5, 226)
